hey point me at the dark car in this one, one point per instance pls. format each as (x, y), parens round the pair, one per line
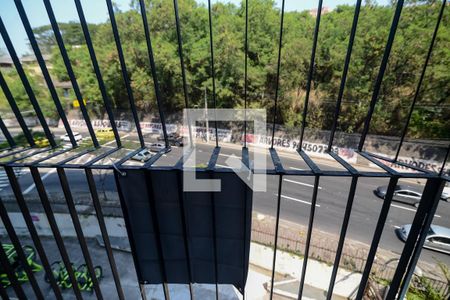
(438, 237)
(403, 193)
(174, 139)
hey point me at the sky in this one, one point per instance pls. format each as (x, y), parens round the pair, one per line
(96, 12)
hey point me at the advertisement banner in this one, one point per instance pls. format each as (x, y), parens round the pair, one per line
(98, 124)
(156, 128)
(291, 145)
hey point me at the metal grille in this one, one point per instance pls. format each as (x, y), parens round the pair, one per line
(35, 158)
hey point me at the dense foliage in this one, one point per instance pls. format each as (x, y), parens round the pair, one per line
(431, 119)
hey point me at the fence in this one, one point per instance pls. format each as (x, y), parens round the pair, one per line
(63, 159)
(354, 262)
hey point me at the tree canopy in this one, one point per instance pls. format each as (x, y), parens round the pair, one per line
(431, 118)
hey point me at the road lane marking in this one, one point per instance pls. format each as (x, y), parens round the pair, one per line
(229, 155)
(297, 169)
(410, 209)
(296, 200)
(223, 166)
(4, 181)
(113, 141)
(78, 160)
(301, 183)
(32, 186)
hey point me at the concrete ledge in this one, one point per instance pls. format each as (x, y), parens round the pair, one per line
(317, 276)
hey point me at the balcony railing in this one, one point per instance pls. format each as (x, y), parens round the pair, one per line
(54, 157)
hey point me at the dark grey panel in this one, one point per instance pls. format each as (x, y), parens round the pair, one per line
(157, 237)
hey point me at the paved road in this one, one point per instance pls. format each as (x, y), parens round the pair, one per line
(332, 199)
(296, 198)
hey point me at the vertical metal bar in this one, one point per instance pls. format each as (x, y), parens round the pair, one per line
(3, 293)
(70, 71)
(276, 161)
(422, 76)
(16, 111)
(104, 231)
(344, 73)
(125, 75)
(151, 58)
(211, 166)
(214, 238)
(379, 81)
(277, 82)
(157, 233)
(245, 74)
(418, 249)
(214, 231)
(79, 231)
(308, 235)
(348, 210)
(8, 270)
(246, 162)
(123, 204)
(45, 73)
(101, 84)
(275, 244)
(311, 71)
(377, 235)
(33, 232)
(55, 230)
(20, 254)
(26, 83)
(213, 70)
(142, 290)
(183, 71)
(441, 172)
(181, 200)
(431, 194)
(6, 133)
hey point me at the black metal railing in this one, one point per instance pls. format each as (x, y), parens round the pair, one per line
(34, 158)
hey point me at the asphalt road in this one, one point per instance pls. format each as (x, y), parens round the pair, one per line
(331, 202)
(296, 199)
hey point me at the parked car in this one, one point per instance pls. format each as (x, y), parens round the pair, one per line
(402, 193)
(174, 139)
(438, 237)
(142, 155)
(156, 147)
(106, 133)
(76, 135)
(446, 194)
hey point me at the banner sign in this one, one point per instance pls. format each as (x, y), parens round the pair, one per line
(314, 149)
(156, 128)
(122, 125)
(428, 165)
(186, 237)
(201, 133)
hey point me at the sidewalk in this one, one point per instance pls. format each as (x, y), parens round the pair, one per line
(290, 266)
